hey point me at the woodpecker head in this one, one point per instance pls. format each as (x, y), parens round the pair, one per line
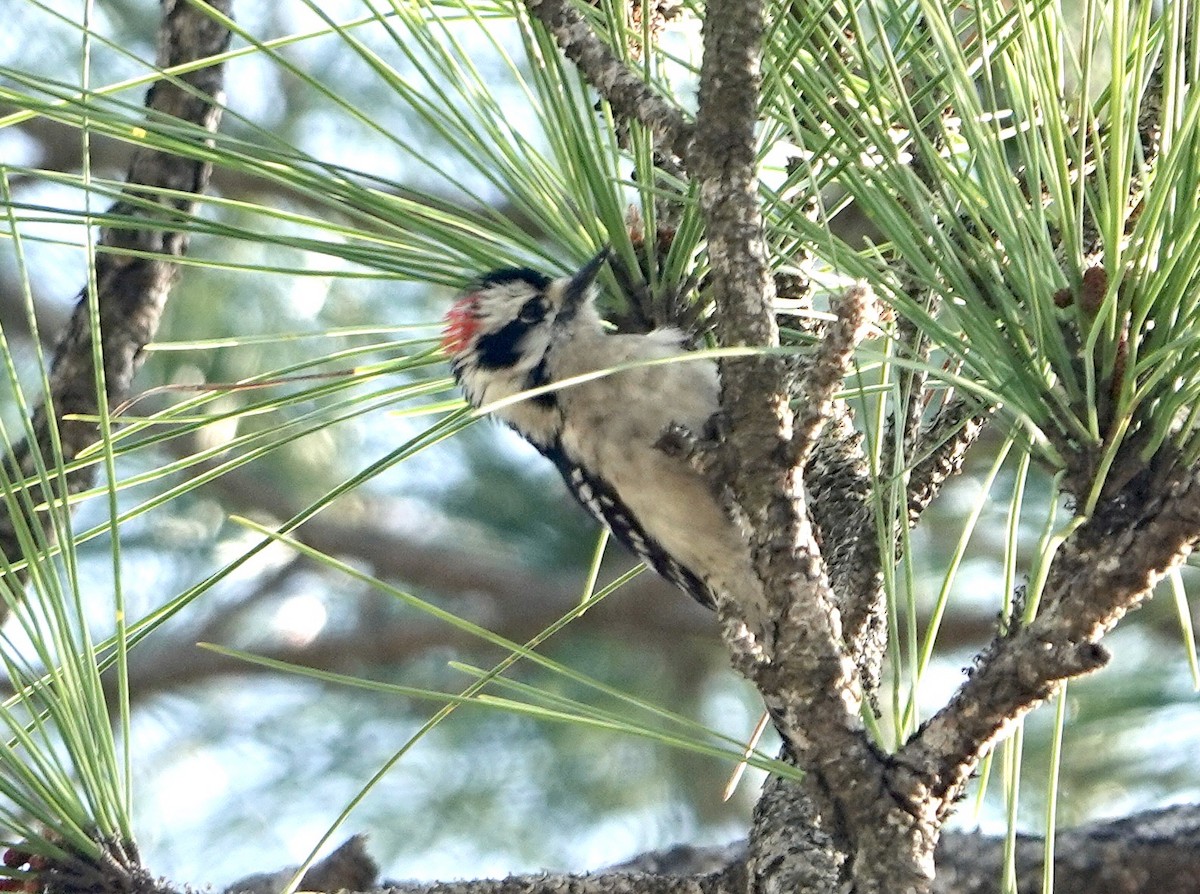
(499, 330)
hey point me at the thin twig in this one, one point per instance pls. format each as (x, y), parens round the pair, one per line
(956, 427)
(624, 89)
(853, 311)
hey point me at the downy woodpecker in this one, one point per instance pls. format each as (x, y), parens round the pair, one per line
(516, 329)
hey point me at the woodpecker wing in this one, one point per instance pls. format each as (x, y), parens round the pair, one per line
(599, 499)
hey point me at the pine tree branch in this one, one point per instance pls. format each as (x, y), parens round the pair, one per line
(624, 89)
(949, 436)
(133, 273)
(1105, 569)
(1156, 852)
(795, 654)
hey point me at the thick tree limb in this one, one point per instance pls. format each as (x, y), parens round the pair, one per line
(1105, 569)
(556, 883)
(805, 675)
(1157, 852)
(133, 273)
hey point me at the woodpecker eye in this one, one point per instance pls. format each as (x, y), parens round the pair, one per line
(533, 310)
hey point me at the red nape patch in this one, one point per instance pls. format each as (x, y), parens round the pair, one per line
(461, 323)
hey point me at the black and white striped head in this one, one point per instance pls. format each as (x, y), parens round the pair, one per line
(498, 333)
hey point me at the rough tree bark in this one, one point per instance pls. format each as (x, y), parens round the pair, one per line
(807, 676)
(133, 278)
(860, 820)
(1157, 852)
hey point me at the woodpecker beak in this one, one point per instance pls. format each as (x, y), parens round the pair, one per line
(588, 273)
(579, 286)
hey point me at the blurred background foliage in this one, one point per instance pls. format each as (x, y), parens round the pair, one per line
(238, 769)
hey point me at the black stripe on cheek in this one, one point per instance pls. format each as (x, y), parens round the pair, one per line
(501, 349)
(539, 376)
